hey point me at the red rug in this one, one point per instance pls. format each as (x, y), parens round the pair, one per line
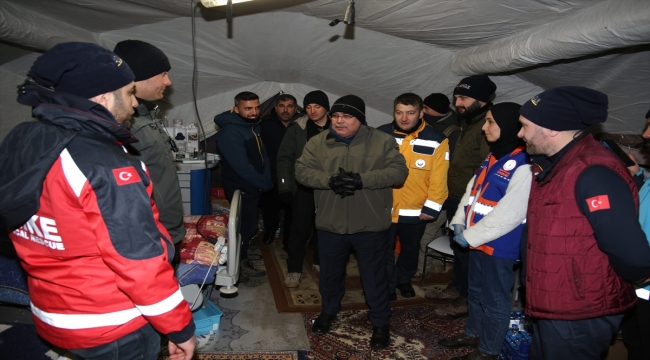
(415, 333)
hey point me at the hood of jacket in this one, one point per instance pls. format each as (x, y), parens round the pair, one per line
(228, 118)
(301, 121)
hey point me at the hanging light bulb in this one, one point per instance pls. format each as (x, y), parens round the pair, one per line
(215, 3)
(349, 14)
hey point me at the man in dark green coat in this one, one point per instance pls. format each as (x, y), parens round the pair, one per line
(352, 169)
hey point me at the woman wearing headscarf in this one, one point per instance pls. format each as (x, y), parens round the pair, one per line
(491, 224)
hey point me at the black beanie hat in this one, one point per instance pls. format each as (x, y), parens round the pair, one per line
(351, 104)
(647, 115)
(566, 108)
(478, 87)
(82, 69)
(316, 97)
(437, 102)
(145, 60)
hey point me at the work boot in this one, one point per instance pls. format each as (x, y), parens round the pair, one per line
(476, 355)
(380, 337)
(455, 310)
(269, 236)
(292, 280)
(447, 295)
(406, 290)
(322, 324)
(458, 341)
(249, 270)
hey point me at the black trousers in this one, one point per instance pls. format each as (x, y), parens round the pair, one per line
(576, 339)
(636, 331)
(248, 220)
(270, 205)
(302, 223)
(334, 252)
(460, 275)
(402, 271)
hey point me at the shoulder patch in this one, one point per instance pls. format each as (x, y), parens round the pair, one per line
(509, 165)
(126, 175)
(600, 202)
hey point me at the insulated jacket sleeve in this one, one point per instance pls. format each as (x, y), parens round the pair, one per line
(394, 171)
(308, 170)
(131, 242)
(438, 191)
(286, 160)
(507, 214)
(608, 205)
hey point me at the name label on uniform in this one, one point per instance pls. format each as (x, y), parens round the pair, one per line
(41, 230)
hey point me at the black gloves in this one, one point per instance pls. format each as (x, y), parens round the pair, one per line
(345, 183)
(286, 198)
(353, 179)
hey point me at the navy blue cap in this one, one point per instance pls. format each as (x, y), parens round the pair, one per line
(566, 108)
(82, 69)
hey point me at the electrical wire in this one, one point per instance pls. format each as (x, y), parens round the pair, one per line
(206, 175)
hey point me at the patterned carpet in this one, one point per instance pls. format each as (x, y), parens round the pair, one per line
(306, 298)
(414, 335)
(259, 355)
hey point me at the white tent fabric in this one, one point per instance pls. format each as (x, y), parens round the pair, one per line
(396, 46)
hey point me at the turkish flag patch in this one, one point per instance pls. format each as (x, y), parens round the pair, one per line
(126, 175)
(600, 202)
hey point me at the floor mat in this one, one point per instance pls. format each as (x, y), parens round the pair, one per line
(307, 299)
(259, 355)
(415, 333)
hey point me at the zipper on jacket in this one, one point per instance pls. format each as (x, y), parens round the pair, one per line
(259, 144)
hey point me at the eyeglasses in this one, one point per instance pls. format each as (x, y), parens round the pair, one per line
(344, 116)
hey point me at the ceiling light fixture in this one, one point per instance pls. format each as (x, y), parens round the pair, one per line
(215, 3)
(349, 15)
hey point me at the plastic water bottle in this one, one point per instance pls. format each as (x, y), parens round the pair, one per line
(515, 329)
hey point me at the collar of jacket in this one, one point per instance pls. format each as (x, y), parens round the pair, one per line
(416, 129)
(145, 107)
(83, 120)
(300, 121)
(74, 112)
(547, 163)
(480, 114)
(363, 131)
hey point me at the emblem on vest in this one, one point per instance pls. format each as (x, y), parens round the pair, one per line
(420, 163)
(509, 165)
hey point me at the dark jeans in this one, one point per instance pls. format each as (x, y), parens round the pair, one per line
(270, 205)
(301, 226)
(248, 221)
(636, 331)
(143, 343)
(460, 275)
(334, 251)
(402, 271)
(576, 339)
(488, 300)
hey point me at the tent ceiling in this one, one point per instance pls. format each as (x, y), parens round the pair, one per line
(398, 45)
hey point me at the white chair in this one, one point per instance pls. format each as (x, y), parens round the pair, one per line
(438, 249)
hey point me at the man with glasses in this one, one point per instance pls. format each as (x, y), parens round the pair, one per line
(352, 169)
